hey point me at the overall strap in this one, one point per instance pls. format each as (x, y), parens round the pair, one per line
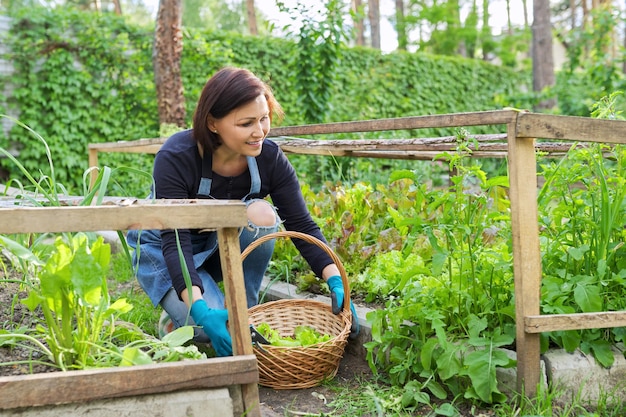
(255, 177)
(207, 177)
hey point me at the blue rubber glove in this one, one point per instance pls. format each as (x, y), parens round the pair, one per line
(335, 285)
(213, 323)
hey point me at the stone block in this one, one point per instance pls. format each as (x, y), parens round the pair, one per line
(196, 403)
(577, 375)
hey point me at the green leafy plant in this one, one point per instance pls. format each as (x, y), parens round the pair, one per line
(73, 296)
(582, 217)
(448, 312)
(319, 53)
(302, 336)
(81, 326)
(67, 283)
(439, 258)
(70, 74)
(591, 70)
(45, 190)
(172, 347)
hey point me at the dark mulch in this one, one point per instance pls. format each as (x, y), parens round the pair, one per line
(18, 360)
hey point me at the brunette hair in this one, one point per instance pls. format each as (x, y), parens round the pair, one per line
(226, 90)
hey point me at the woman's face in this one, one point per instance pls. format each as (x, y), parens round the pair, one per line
(243, 130)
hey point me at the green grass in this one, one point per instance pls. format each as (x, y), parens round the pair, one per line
(375, 399)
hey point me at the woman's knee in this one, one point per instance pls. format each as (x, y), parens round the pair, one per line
(261, 213)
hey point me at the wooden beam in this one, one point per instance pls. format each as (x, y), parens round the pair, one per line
(586, 129)
(321, 147)
(237, 306)
(526, 255)
(132, 146)
(555, 322)
(490, 146)
(399, 155)
(162, 214)
(95, 384)
(487, 118)
(409, 148)
(378, 143)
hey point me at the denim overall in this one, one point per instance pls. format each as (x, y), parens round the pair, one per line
(154, 278)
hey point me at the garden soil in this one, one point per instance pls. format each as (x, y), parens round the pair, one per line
(352, 374)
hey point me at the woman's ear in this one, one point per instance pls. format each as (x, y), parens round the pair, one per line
(210, 123)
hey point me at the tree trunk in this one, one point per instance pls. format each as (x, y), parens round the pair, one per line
(403, 40)
(374, 17)
(168, 46)
(486, 39)
(357, 13)
(525, 5)
(117, 7)
(509, 24)
(543, 61)
(624, 45)
(454, 27)
(251, 11)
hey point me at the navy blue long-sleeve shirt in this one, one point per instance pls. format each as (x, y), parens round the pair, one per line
(177, 173)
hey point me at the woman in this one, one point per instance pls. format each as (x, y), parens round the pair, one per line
(226, 156)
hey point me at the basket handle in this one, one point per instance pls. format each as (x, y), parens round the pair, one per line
(315, 241)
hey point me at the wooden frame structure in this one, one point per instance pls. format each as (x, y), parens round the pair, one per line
(224, 216)
(519, 146)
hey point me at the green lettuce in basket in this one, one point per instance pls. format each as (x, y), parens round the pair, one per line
(302, 336)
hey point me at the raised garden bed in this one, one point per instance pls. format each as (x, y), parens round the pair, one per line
(213, 387)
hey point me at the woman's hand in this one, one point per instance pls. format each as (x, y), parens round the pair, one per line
(213, 323)
(337, 295)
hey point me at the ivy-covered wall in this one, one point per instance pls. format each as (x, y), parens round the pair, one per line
(85, 77)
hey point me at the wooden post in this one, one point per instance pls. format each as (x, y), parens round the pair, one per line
(237, 305)
(526, 255)
(93, 163)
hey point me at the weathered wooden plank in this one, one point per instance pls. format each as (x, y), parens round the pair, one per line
(526, 255)
(237, 305)
(402, 155)
(235, 291)
(88, 385)
(586, 129)
(396, 146)
(321, 147)
(139, 145)
(578, 321)
(390, 142)
(196, 214)
(147, 146)
(497, 117)
(408, 149)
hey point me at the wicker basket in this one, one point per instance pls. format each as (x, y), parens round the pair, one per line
(301, 367)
